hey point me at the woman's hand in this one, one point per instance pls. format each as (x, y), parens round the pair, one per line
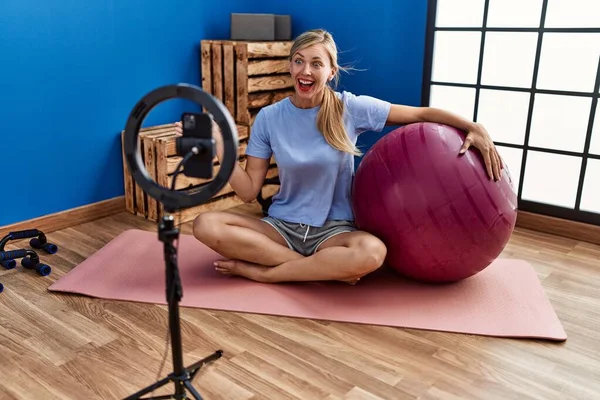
(216, 134)
(479, 138)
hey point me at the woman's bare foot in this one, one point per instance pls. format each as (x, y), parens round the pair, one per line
(246, 269)
(255, 272)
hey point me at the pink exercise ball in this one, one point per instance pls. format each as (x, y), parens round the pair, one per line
(440, 215)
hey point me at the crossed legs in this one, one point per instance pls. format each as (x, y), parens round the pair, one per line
(254, 249)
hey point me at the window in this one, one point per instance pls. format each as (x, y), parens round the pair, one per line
(529, 71)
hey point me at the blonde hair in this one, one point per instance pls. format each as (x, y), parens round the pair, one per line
(330, 120)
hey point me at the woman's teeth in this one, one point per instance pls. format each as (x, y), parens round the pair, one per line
(305, 85)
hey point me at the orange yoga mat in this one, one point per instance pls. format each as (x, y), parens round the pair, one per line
(504, 300)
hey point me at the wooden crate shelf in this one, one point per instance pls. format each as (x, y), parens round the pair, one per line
(157, 146)
(246, 76)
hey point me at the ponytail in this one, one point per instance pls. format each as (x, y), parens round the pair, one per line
(330, 122)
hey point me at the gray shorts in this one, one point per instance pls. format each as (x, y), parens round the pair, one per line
(306, 239)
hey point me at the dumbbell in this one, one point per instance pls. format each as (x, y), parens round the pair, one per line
(30, 260)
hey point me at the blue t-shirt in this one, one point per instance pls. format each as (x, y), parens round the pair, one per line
(316, 179)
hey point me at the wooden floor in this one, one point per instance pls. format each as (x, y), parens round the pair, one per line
(57, 346)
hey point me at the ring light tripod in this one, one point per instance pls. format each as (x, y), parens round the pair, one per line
(196, 146)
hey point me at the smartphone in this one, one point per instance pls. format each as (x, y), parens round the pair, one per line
(197, 130)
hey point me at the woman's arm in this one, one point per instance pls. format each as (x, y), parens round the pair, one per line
(245, 182)
(248, 182)
(476, 135)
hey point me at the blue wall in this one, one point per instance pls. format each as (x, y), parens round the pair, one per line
(71, 72)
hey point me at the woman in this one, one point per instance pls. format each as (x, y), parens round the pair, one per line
(309, 234)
